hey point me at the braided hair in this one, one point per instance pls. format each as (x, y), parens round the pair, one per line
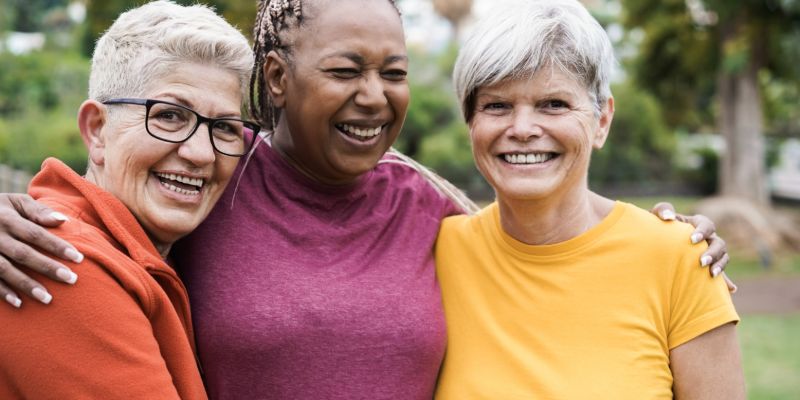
(273, 18)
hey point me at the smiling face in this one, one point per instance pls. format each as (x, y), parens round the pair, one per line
(169, 187)
(533, 138)
(344, 95)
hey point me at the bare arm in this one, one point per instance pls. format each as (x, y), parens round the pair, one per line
(709, 366)
(22, 222)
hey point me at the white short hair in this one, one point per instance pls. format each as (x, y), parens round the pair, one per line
(520, 37)
(147, 42)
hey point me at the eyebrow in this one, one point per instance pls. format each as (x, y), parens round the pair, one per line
(178, 99)
(358, 59)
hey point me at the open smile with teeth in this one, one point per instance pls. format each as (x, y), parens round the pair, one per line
(181, 184)
(528, 158)
(362, 133)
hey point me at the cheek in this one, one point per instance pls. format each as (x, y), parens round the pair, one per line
(400, 98)
(225, 169)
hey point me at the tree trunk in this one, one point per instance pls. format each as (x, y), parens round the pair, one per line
(743, 171)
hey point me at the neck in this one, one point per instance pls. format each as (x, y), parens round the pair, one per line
(163, 248)
(554, 219)
(282, 144)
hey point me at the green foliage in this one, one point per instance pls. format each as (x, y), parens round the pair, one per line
(28, 15)
(39, 97)
(771, 356)
(639, 147)
(41, 80)
(679, 59)
(41, 134)
(434, 132)
(101, 14)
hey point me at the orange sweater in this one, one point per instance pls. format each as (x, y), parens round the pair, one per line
(123, 332)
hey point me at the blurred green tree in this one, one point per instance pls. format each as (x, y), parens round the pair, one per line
(101, 13)
(28, 15)
(694, 52)
(639, 147)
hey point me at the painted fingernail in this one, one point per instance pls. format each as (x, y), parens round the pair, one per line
(58, 216)
(73, 255)
(13, 300)
(66, 275)
(715, 271)
(667, 215)
(42, 295)
(696, 238)
(705, 260)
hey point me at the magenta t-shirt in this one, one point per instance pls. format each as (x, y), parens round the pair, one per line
(305, 291)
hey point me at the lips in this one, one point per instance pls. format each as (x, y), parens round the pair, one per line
(183, 184)
(528, 158)
(361, 132)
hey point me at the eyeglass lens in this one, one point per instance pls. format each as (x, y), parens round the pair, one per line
(173, 123)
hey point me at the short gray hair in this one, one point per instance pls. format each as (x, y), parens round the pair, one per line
(520, 37)
(145, 43)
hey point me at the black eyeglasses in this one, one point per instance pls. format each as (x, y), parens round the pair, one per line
(175, 123)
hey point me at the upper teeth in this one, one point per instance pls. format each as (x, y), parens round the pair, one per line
(182, 179)
(363, 132)
(530, 158)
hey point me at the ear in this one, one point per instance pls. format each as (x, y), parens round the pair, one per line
(275, 71)
(604, 124)
(92, 118)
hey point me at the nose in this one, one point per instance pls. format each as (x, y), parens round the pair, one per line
(526, 124)
(371, 94)
(198, 149)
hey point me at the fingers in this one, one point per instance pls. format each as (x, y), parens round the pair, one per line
(17, 235)
(664, 210)
(15, 278)
(34, 211)
(716, 256)
(9, 296)
(703, 228)
(731, 286)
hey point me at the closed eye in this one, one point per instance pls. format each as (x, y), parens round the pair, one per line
(344, 73)
(395, 74)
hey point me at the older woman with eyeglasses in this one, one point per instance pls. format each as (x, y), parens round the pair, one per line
(164, 131)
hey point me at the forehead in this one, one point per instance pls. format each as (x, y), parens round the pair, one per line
(341, 25)
(191, 83)
(545, 80)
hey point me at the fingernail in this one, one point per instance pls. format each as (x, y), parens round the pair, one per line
(42, 295)
(696, 238)
(734, 289)
(58, 216)
(705, 261)
(667, 215)
(715, 271)
(66, 275)
(13, 300)
(74, 255)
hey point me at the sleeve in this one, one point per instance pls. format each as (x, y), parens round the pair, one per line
(698, 302)
(92, 342)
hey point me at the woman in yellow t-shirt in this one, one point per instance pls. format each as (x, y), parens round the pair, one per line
(553, 291)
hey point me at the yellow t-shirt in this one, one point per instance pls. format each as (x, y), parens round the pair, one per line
(593, 317)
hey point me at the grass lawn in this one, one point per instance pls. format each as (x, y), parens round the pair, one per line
(771, 356)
